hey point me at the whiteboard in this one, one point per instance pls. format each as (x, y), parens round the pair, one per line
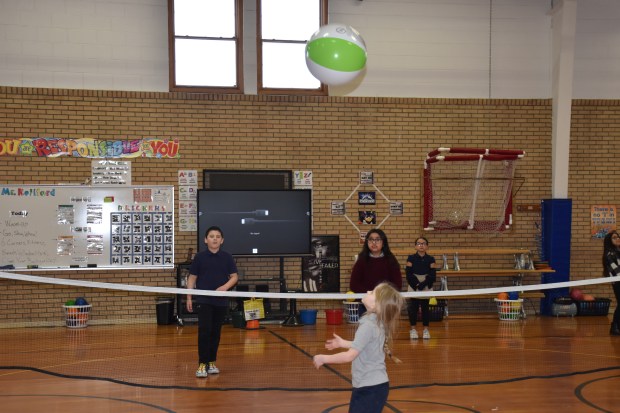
(58, 226)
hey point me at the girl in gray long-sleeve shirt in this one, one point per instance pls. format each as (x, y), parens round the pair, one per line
(368, 349)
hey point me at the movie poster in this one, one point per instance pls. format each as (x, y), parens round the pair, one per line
(321, 273)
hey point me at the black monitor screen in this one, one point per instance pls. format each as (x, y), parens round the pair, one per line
(258, 222)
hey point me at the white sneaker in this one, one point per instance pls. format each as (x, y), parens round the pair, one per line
(212, 369)
(426, 335)
(202, 370)
(413, 334)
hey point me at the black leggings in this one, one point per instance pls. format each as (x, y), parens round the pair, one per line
(412, 310)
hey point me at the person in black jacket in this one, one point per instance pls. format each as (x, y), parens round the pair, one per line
(421, 274)
(611, 268)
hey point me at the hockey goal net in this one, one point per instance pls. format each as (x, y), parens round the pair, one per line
(469, 188)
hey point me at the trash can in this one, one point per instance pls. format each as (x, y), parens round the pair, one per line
(238, 319)
(165, 310)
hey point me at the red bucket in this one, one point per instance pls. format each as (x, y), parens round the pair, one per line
(334, 316)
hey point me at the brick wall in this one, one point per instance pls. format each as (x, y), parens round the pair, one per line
(336, 138)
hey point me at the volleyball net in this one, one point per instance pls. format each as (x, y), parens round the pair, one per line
(117, 336)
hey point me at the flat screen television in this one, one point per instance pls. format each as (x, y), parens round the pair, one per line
(258, 222)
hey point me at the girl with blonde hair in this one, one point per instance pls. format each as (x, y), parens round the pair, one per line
(368, 349)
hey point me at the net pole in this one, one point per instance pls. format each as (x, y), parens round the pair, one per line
(428, 196)
(472, 211)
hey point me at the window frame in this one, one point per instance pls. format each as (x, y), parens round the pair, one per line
(260, 89)
(239, 88)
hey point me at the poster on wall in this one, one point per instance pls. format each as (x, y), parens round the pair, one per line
(188, 206)
(366, 198)
(603, 220)
(321, 272)
(367, 177)
(367, 217)
(109, 172)
(302, 179)
(396, 208)
(338, 208)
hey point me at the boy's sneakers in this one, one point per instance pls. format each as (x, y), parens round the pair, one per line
(413, 334)
(426, 335)
(202, 370)
(212, 369)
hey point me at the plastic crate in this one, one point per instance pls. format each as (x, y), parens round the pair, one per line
(436, 312)
(352, 311)
(509, 310)
(76, 316)
(600, 306)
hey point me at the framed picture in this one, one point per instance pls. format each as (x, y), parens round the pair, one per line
(321, 272)
(367, 217)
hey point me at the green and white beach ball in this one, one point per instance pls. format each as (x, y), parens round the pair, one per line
(336, 54)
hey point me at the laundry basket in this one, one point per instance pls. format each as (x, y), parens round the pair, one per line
(509, 310)
(76, 316)
(352, 311)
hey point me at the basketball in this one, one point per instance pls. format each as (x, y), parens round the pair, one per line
(588, 297)
(502, 296)
(336, 54)
(576, 294)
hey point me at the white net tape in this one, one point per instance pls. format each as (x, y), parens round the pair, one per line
(322, 296)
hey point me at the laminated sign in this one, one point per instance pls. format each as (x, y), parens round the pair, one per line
(254, 309)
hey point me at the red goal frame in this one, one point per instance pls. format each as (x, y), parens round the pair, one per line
(432, 222)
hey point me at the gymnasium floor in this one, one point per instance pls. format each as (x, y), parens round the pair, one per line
(541, 364)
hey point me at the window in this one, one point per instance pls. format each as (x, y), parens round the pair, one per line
(283, 28)
(206, 45)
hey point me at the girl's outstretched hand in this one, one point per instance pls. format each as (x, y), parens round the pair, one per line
(318, 361)
(334, 343)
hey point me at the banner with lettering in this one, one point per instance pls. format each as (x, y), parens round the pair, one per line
(90, 147)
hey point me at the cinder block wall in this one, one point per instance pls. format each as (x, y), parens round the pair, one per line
(335, 138)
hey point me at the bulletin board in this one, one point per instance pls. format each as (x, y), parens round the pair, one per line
(62, 226)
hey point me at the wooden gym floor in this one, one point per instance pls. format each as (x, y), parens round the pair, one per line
(541, 364)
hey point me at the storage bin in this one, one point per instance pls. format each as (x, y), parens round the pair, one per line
(509, 310)
(436, 312)
(165, 310)
(564, 306)
(334, 316)
(76, 316)
(238, 319)
(600, 306)
(308, 317)
(352, 311)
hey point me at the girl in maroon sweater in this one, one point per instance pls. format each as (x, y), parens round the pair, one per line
(375, 264)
